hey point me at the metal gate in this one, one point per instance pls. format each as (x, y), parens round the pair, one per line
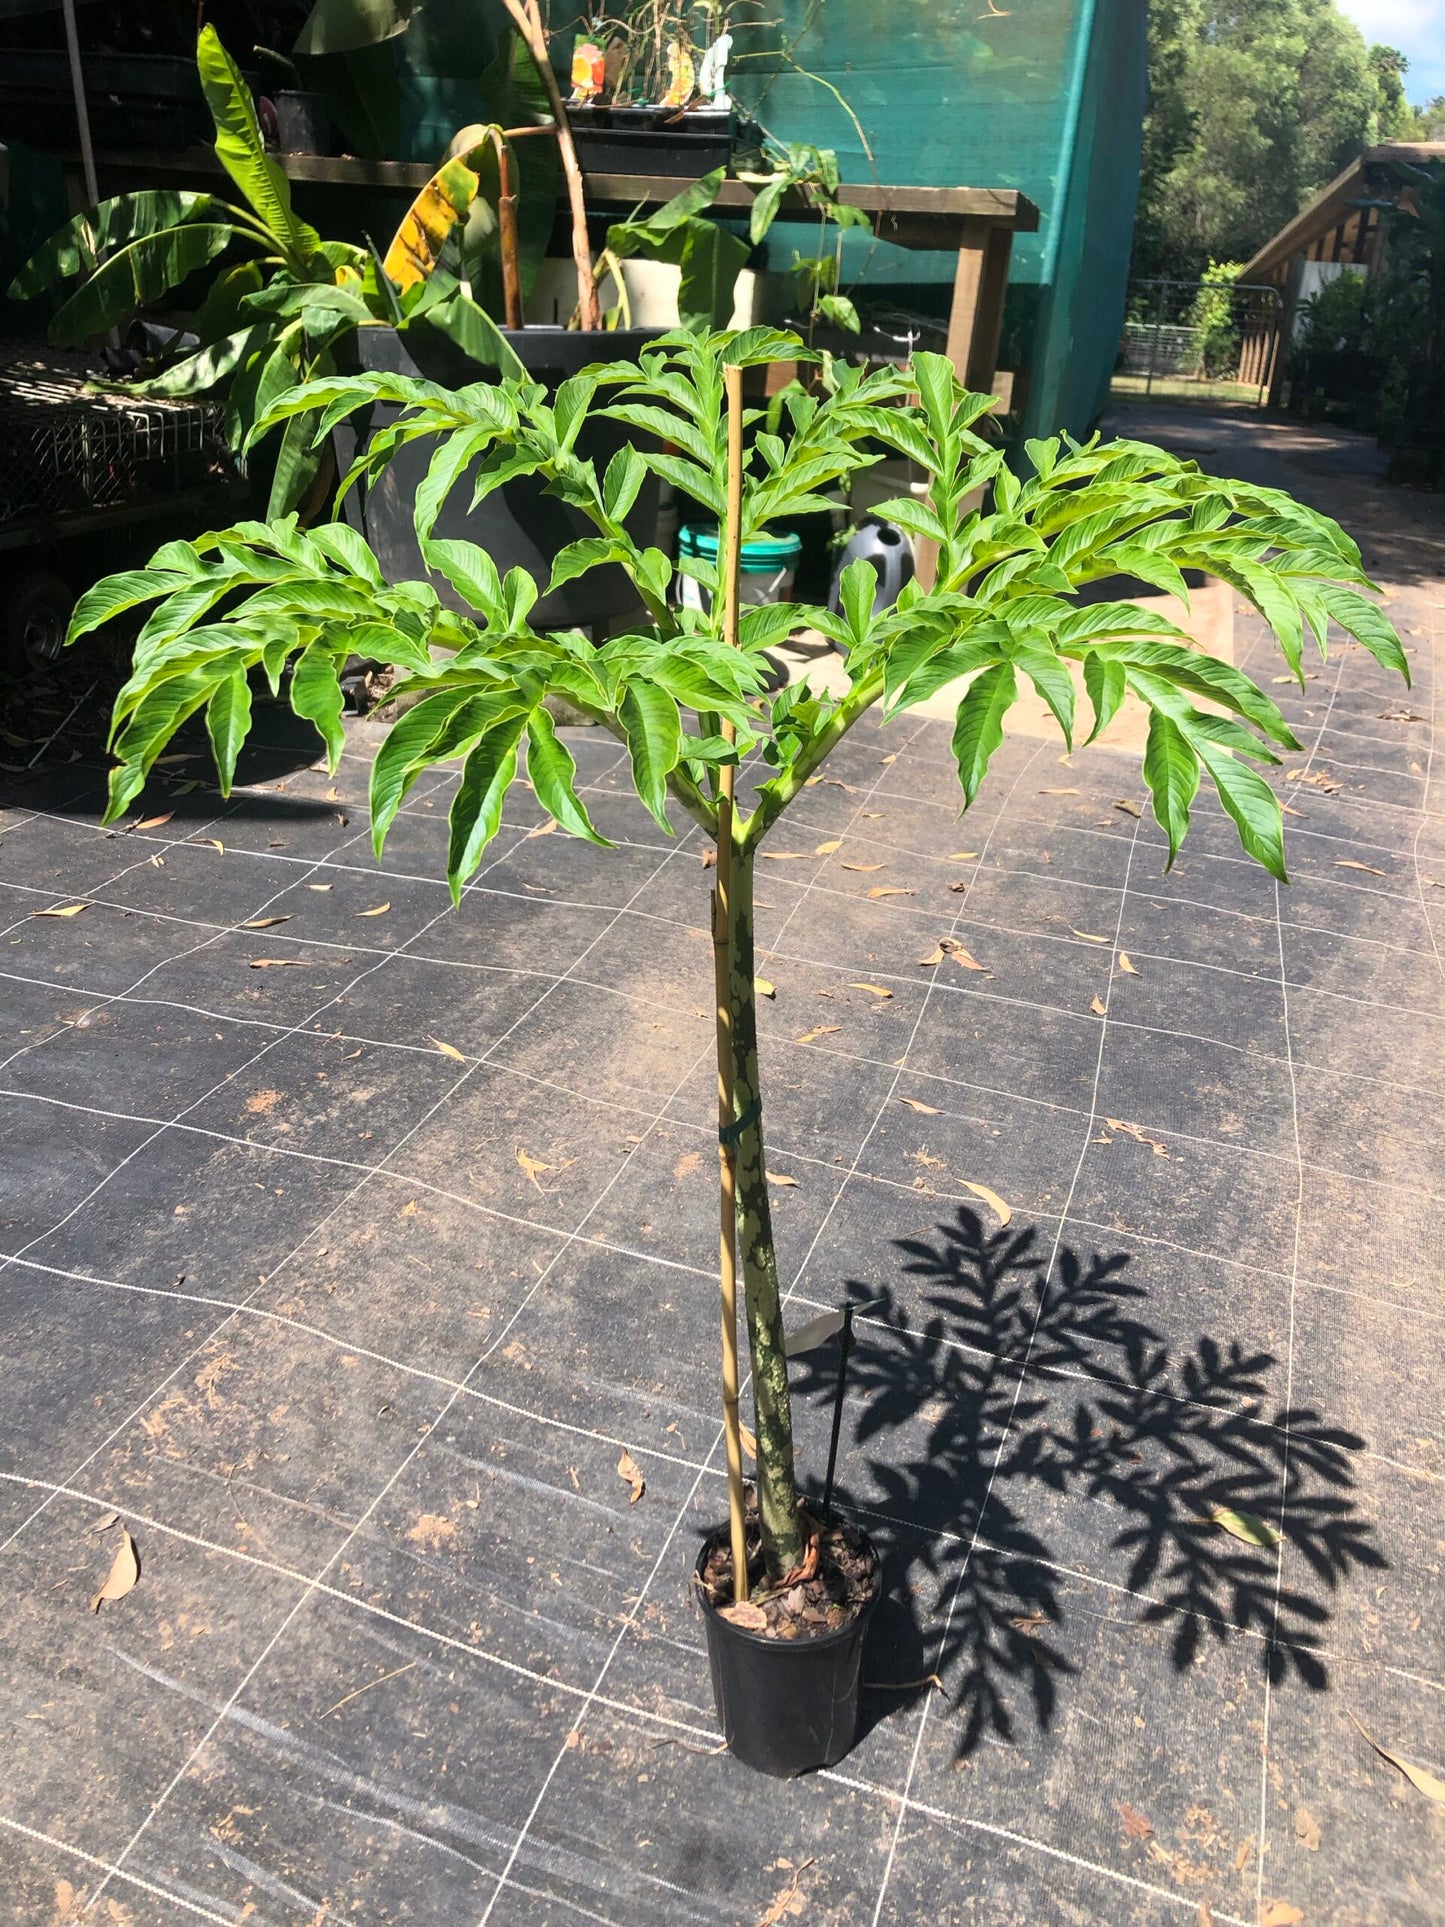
(1204, 340)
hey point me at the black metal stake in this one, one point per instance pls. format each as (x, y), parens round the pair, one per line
(845, 1342)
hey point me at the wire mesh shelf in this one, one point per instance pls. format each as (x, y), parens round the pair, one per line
(66, 449)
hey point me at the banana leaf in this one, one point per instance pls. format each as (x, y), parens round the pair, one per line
(343, 26)
(104, 229)
(429, 223)
(138, 274)
(242, 152)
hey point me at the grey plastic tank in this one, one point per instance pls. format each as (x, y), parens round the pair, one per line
(887, 548)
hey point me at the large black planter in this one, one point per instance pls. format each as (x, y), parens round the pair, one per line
(519, 525)
(652, 140)
(786, 1706)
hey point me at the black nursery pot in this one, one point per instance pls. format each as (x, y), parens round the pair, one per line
(519, 524)
(786, 1706)
(652, 140)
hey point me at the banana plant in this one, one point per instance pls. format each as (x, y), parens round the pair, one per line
(1004, 614)
(276, 317)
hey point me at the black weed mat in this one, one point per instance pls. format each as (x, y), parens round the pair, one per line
(346, 1254)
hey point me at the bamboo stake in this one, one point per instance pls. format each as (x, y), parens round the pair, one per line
(728, 579)
(528, 20)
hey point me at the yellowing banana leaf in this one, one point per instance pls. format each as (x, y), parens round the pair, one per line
(417, 244)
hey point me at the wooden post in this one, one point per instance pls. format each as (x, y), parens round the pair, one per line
(528, 20)
(730, 562)
(975, 321)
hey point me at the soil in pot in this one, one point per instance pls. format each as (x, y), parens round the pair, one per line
(652, 140)
(786, 1665)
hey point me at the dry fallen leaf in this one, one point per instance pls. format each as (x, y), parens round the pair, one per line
(1307, 1830)
(1245, 1526)
(265, 923)
(817, 1331)
(380, 911)
(1279, 679)
(123, 1574)
(1421, 1778)
(864, 868)
(104, 1524)
(951, 947)
(827, 849)
(964, 958)
(745, 1614)
(1088, 936)
(780, 1177)
(627, 1468)
(1125, 964)
(276, 963)
(62, 910)
(1279, 1913)
(786, 856)
(821, 1030)
(1058, 792)
(885, 890)
(916, 1104)
(151, 823)
(935, 956)
(1349, 863)
(214, 841)
(1098, 1006)
(1137, 1825)
(532, 1166)
(962, 856)
(747, 1441)
(1139, 1135)
(447, 1050)
(709, 858)
(991, 1198)
(877, 989)
(1130, 809)
(1204, 1917)
(764, 988)
(789, 1902)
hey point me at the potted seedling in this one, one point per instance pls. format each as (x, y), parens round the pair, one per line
(649, 88)
(781, 1596)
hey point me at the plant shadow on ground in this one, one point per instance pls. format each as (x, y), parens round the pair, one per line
(1024, 1382)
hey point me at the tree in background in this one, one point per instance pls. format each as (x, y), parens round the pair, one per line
(1254, 106)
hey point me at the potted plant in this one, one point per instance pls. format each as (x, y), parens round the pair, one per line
(276, 317)
(649, 89)
(682, 693)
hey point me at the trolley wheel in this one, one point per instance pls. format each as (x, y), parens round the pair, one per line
(34, 616)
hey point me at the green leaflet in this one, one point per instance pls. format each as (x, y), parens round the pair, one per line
(471, 572)
(1253, 805)
(1105, 683)
(1367, 623)
(316, 694)
(1050, 677)
(978, 730)
(228, 718)
(476, 811)
(114, 594)
(654, 740)
(552, 774)
(1171, 769)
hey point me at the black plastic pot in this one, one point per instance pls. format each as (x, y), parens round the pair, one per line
(786, 1706)
(652, 140)
(518, 524)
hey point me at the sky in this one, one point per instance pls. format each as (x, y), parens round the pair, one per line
(1417, 28)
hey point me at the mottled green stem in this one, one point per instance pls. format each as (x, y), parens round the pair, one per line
(777, 1486)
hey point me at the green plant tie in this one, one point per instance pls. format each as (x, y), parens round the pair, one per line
(730, 1133)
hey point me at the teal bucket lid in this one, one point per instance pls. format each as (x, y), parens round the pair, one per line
(760, 557)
